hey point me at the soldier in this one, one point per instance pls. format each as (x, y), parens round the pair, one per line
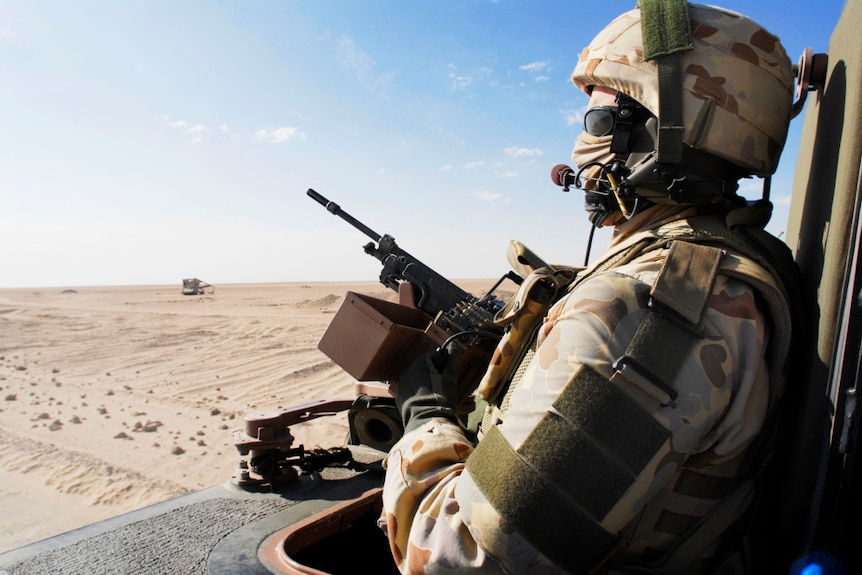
(629, 442)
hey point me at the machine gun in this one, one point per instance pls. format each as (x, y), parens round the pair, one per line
(373, 339)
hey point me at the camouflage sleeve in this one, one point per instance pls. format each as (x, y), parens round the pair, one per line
(420, 514)
(439, 521)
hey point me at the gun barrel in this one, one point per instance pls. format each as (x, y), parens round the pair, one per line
(336, 210)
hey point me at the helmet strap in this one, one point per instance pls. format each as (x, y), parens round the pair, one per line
(701, 177)
(630, 116)
(666, 29)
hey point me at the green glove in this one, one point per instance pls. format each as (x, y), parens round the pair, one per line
(429, 387)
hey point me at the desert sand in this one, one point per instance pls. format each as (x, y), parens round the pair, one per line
(114, 398)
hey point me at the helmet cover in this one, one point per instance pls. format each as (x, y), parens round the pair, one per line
(737, 83)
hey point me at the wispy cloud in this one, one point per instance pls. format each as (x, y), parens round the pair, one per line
(225, 130)
(280, 134)
(458, 81)
(488, 196)
(196, 131)
(519, 152)
(481, 77)
(476, 164)
(353, 58)
(534, 66)
(362, 66)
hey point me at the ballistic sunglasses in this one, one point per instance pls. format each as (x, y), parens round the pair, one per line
(601, 120)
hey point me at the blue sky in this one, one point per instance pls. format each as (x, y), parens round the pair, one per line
(145, 142)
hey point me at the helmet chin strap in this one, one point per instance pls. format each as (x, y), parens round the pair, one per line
(615, 193)
(608, 199)
(639, 179)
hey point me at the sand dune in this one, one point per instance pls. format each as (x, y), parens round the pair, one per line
(117, 398)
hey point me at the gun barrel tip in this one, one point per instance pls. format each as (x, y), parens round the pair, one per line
(317, 197)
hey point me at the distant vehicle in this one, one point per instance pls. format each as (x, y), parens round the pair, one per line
(296, 511)
(194, 286)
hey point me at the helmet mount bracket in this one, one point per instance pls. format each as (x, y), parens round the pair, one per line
(810, 72)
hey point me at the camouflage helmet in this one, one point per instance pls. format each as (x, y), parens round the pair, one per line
(737, 83)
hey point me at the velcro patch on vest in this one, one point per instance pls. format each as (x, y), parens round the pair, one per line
(685, 282)
(659, 348)
(572, 469)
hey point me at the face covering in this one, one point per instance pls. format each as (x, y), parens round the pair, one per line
(589, 149)
(590, 156)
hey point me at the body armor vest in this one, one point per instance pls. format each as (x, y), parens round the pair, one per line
(700, 249)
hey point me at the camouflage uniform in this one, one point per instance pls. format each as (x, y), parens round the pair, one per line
(597, 465)
(621, 458)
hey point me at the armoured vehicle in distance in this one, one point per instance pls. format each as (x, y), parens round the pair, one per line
(298, 512)
(194, 286)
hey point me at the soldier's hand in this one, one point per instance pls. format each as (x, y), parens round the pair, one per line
(429, 387)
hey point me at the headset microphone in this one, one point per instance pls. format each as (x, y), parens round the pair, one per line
(563, 176)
